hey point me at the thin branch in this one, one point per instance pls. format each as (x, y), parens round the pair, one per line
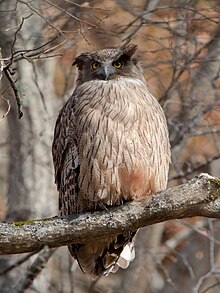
(213, 130)
(86, 6)
(195, 168)
(200, 232)
(41, 16)
(69, 14)
(191, 125)
(211, 287)
(19, 27)
(143, 17)
(171, 244)
(9, 107)
(17, 263)
(5, 100)
(42, 49)
(15, 90)
(198, 197)
(8, 74)
(36, 267)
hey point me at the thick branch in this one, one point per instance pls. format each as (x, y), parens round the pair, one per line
(198, 197)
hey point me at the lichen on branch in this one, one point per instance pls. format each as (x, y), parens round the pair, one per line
(198, 197)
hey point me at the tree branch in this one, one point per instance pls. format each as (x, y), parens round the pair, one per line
(36, 267)
(199, 197)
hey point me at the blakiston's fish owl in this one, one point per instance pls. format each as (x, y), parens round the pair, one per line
(110, 146)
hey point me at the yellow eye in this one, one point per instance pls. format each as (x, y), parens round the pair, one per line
(95, 65)
(117, 64)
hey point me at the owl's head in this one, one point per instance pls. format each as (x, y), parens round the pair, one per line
(109, 64)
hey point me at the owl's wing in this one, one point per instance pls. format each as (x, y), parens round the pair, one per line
(65, 159)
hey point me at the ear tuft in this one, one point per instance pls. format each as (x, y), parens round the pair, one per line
(125, 42)
(130, 50)
(127, 48)
(80, 60)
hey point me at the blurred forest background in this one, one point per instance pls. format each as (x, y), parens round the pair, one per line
(180, 45)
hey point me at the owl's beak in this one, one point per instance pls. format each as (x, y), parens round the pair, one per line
(106, 72)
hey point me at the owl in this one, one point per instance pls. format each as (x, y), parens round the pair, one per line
(110, 146)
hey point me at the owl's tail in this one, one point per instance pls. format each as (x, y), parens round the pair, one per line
(104, 256)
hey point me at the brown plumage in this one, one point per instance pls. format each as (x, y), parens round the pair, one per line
(110, 146)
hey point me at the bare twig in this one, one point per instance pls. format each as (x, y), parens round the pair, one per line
(210, 287)
(86, 6)
(41, 16)
(8, 110)
(19, 27)
(68, 13)
(36, 267)
(15, 90)
(5, 100)
(195, 168)
(36, 52)
(172, 243)
(17, 263)
(7, 72)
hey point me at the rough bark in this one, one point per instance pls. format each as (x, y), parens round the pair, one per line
(199, 197)
(18, 206)
(36, 88)
(28, 184)
(13, 186)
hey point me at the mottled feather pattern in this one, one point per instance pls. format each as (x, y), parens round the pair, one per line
(113, 139)
(110, 145)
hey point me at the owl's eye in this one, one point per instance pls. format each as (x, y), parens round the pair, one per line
(117, 64)
(95, 65)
